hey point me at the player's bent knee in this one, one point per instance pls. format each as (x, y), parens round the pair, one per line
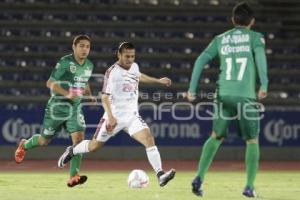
(93, 147)
(77, 137)
(77, 141)
(150, 141)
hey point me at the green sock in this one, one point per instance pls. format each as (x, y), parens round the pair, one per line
(208, 152)
(75, 164)
(32, 142)
(252, 159)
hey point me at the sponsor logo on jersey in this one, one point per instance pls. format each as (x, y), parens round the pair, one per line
(129, 87)
(227, 49)
(81, 79)
(76, 91)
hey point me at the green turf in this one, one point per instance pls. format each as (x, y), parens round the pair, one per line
(113, 186)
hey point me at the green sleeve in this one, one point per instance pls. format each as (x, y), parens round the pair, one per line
(209, 53)
(261, 62)
(58, 71)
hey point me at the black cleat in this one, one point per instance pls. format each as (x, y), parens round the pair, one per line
(65, 157)
(165, 177)
(196, 186)
(249, 192)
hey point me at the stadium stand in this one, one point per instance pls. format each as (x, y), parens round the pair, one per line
(168, 34)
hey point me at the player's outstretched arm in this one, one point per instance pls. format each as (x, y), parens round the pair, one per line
(148, 79)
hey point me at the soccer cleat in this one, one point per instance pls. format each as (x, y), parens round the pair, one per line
(76, 180)
(65, 157)
(196, 186)
(165, 177)
(20, 152)
(249, 192)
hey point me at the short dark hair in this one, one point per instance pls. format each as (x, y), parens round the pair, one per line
(242, 14)
(125, 45)
(77, 39)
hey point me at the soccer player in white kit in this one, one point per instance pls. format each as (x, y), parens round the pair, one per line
(120, 102)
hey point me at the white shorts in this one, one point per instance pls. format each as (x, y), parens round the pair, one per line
(131, 125)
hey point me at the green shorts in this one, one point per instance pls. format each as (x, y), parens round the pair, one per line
(62, 115)
(243, 111)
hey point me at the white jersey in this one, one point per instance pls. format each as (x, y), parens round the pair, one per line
(122, 86)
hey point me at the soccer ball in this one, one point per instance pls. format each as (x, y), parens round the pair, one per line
(138, 179)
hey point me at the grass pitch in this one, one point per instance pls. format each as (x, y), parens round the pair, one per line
(106, 185)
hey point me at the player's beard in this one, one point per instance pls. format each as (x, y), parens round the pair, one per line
(125, 65)
(128, 65)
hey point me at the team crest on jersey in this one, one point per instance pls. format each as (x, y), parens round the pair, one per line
(262, 40)
(72, 68)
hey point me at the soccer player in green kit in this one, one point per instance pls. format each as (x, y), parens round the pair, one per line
(242, 54)
(68, 83)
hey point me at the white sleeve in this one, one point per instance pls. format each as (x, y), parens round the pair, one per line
(108, 81)
(137, 69)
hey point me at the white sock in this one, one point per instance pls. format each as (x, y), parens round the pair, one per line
(154, 158)
(82, 147)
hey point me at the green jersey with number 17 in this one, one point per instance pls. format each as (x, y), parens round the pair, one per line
(238, 69)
